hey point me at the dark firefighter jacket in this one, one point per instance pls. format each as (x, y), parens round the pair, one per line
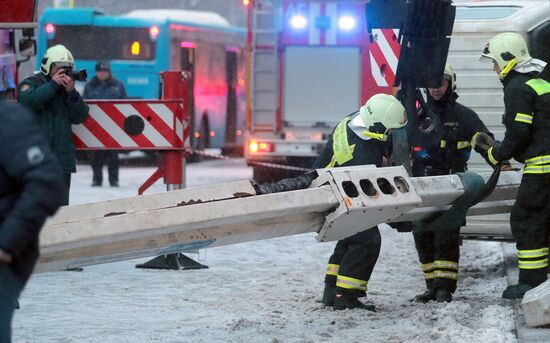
(359, 151)
(31, 186)
(108, 89)
(527, 121)
(55, 110)
(450, 151)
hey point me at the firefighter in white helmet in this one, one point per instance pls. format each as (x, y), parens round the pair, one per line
(359, 139)
(51, 95)
(445, 153)
(527, 140)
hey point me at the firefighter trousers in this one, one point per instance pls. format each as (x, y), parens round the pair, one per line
(530, 222)
(438, 253)
(351, 264)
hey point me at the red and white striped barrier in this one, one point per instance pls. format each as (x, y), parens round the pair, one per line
(384, 56)
(133, 124)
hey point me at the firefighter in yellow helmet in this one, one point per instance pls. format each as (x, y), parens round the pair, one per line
(51, 95)
(359, 139)
(527, 140)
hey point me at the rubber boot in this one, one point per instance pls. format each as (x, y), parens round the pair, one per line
(443, 295)
(328, 294)
(425, 297)
(516, 291)
(344, 302)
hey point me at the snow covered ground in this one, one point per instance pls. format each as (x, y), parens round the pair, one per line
(263, 291)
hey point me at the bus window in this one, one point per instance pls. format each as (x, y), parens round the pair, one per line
(105, 43)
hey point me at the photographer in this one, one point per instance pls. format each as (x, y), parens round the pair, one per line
(52, 96)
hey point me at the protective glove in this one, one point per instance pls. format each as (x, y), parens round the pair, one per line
(483, 141)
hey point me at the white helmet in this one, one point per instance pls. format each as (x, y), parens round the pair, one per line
(507, 50)
(385, 110)
(59, 55)
(450, 75)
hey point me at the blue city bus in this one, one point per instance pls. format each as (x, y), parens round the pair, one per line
(143, 43)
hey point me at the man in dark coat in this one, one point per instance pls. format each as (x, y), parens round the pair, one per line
(104, 86)
(57, 105)
(31, 189)
(445, 153)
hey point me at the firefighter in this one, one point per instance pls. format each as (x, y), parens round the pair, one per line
(104, 86)
(57, 105)
(31, 189)
(527, 140)
(448, 153)
(359, 139)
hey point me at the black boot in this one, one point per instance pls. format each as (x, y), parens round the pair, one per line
(516, 291)
(343, 302)
(443, 295)
(429, 295)
(328, 294)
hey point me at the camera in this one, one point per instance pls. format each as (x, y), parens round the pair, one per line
(80, 75)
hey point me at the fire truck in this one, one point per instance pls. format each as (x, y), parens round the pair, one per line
(17, 23)
(313, 61)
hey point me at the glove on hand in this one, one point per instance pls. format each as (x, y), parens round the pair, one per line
(483, 141)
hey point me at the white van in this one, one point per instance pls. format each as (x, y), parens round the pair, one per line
(478, 85)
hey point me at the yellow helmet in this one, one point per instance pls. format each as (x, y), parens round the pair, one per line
(385, 110)
(449, 74)
(507, 50)
(59, 55)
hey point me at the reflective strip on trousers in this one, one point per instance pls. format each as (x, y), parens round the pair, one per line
(545, 159)
(441, 274)
(332, 269)
(341, 151)
(542, 252)
(524, 118)
(539, 85)
(443, 144)
(351, 283)
(537, 264)
(446, 265)
(428, 267)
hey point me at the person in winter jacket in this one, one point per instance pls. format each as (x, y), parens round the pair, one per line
(527, 140)
(57, 105)
(104, 86)
(359, 139)
(31, 189)
(446, 152)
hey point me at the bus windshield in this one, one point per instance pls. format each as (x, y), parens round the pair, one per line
(485, 12)
(105, 43)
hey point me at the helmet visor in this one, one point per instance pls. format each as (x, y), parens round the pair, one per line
(63, 64)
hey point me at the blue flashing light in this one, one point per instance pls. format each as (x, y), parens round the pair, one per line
(298, 22)
(347, 23)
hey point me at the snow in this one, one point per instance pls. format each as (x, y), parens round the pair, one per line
(263, 291)
(186, 16)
